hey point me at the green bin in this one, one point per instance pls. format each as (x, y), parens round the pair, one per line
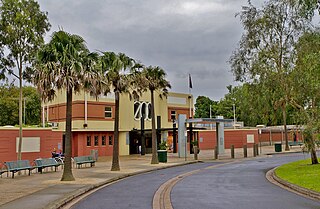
(162, 156)
(278, 147)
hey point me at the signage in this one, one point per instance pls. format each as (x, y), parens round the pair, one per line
(142, 110)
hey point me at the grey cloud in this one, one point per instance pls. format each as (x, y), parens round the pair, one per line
(195, 36)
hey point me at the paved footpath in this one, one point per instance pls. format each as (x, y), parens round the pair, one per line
(47, 191)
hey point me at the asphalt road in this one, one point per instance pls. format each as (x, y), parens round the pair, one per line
(231, 186)
(135, 192)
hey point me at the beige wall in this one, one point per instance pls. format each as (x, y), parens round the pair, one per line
(127, 121)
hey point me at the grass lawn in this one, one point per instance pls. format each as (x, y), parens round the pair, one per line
(301, 173)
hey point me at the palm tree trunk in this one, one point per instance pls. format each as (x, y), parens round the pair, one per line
(67, 169)
(154, 159)
(115, 156)
(284, 114)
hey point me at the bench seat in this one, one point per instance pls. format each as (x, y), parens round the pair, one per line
(19, 165)
(40, 164)
(2, 172)
(84, 159)
(295, 144)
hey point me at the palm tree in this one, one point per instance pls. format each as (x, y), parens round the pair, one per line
(115, 67)
(63, 64)
(153, 79)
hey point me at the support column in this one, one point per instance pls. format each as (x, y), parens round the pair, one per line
(143, 139)
(182, 135)
(174, 137)
(220, 136)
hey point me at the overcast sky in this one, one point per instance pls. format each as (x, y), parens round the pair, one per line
(181, 36)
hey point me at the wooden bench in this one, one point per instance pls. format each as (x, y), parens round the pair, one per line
(84, 159)
(40, 164)
(295, 143)
(19, 165)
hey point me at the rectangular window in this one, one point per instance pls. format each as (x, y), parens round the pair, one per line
(108, 112)
(96, 140)
(89, 141)
(173, 114)
(110, 140)
(104, 140)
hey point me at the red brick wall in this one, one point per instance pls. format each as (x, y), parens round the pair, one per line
(179, 111)
(277, 136)
(236, 137)
(95, 111)
(48, 140)
(80, 143)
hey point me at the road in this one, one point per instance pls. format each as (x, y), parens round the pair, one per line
(229, 186)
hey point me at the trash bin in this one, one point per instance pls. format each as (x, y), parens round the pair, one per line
(162, 156)
(94, 154)
(278, 147)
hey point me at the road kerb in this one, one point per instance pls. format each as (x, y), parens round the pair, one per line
(273, 178)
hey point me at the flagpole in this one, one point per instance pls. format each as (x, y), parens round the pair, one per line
(190, 86)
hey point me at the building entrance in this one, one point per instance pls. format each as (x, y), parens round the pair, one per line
(135, 142)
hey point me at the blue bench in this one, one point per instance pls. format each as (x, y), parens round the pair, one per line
(2, 170)
(19, 165)
(84, 159)
(295, 143)
(40, 164)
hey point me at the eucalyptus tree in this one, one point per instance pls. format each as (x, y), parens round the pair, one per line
(307, 82)
(266, 49)
(22, 28)
(153, 79)
(116, 69)
(203, 107)
(63, 64)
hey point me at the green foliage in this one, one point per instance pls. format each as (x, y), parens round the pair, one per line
(22, 28)
(9, 102)
(308, 7)
(301, 173)
(33, 105)
(163, 145)
(306, 89)
(202, 107)
(266, 50)
(252, 106)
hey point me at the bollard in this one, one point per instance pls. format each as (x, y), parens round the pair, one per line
(216, 152)
(195, 152)
(257, 149)
(232, 151)
(254, 150)
(245, 151)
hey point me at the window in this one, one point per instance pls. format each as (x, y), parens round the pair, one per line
(108, 112)
(88, 141)
(110, 140)
(103, 140)
(173, 114)
(96, 140)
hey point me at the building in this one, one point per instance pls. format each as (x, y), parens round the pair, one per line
(93, 120)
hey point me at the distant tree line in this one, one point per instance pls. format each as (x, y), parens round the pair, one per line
(9, 105)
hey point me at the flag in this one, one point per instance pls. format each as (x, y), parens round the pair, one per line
(190, 82)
